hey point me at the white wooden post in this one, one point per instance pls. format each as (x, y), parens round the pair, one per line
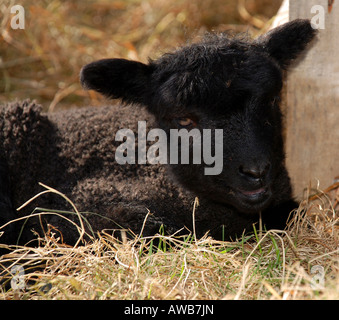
(312, 123)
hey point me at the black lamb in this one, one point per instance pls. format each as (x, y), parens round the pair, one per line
(223, 84)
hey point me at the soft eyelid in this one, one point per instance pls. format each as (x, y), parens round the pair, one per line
(191, 122)
(185, 121)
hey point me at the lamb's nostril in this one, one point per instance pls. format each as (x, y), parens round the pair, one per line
(254, 172)
(251, 172)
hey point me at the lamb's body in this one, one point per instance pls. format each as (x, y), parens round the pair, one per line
(74, 151)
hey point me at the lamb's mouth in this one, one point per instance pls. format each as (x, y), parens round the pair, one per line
(254, 200)
(254, 194)
(246, 201)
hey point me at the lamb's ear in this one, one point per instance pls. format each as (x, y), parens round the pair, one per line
(118, 79)
(287, 41)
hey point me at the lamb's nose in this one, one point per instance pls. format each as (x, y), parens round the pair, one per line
(254, 172)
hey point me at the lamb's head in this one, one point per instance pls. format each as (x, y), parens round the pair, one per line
(223, 83)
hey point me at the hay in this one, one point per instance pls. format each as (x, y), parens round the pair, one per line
(298, 263)
(43, 60)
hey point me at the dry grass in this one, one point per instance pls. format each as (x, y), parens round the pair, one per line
(43, 61)
(267, 265)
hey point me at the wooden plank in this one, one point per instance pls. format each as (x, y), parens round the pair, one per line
(312, 123)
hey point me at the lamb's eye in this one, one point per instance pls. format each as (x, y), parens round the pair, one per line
(186, 122)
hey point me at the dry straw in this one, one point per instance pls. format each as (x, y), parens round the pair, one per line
(43, 60)
(278, 264)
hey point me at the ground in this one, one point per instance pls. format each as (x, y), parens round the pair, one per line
(298, 263)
